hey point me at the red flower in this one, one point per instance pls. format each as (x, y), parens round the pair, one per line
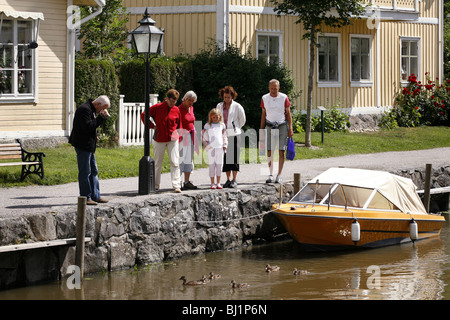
(412, 78)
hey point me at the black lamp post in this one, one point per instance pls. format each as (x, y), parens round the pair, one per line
(147, 41)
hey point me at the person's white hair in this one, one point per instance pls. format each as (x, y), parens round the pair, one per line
(274, 81)
(103, 100)
(190, 95)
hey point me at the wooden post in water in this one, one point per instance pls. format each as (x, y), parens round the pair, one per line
(297, 178)
(426, 194)
(81, 230)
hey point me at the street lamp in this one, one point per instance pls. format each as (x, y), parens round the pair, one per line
(147, 41)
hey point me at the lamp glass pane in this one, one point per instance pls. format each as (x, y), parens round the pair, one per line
(154, 44)
(141, 41)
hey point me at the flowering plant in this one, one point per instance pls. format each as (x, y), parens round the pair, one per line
(5, 82)
(5, 77)
(421, 104)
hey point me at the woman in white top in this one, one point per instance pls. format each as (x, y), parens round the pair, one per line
(234, 118)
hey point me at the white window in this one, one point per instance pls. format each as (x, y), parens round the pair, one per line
(329, 58)
(409, 55)
(17, 59)
(360, 60)
(269, 47)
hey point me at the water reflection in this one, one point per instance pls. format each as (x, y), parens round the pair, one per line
(408, 271)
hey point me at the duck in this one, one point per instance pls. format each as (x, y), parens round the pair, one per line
(270, 268)
(205, 279)
(235, 285)
(191, 283)
(213, 276)
(296, 272)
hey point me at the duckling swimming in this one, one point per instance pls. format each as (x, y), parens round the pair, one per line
(204, 279)
(191, 283)
(296, 272)
(235, 285)
(213, 276)
(270, 268)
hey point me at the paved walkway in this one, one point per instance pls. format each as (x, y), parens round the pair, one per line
(39, 199)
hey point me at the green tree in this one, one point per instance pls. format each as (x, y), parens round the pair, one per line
(104, 35)
(447, 39)
(314, 14)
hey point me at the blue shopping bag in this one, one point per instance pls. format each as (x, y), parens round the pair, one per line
(290, 152)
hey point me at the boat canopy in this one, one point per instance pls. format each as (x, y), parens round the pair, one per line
(397, 190)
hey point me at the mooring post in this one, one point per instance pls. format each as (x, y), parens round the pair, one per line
(81, 230)
(426, 194)
(297, 178)
(281, 195)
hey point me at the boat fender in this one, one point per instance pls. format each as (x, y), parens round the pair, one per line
(413, 230)
(356, 231)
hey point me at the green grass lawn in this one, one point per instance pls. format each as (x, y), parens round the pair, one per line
(61, 166)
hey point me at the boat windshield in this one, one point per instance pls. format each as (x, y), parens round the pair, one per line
(307, 193)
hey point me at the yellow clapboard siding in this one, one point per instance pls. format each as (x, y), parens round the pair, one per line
(49, 112)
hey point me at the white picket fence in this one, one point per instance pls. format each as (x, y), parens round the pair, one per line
(130, 126)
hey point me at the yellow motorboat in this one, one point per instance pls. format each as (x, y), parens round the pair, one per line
(346, 208)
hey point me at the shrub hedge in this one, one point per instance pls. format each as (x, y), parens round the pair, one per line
(165, 73)
(94, 78)
(215, 68)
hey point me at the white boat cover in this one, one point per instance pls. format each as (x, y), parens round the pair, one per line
(400, 191)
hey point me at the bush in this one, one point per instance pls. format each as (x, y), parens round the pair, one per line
(333, 118)
(420, 104)
(214, 68)
(94, 78)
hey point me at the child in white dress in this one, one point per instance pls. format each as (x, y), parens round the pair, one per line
(215, 141)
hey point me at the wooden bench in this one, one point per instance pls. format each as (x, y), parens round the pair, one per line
(31, 161)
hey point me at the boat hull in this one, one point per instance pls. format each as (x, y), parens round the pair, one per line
(320, 229)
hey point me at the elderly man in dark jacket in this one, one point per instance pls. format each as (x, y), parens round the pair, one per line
(88, 117)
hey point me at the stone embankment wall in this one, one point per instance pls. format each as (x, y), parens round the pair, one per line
(164, 226)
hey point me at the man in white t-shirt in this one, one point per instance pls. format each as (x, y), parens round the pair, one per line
(276, 118)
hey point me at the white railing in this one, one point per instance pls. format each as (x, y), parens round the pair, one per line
(130, 126)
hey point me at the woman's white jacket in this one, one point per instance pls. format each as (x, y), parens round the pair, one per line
(236, 115)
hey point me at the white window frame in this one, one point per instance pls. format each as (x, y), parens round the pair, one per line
(15, 96)
(276, 34)
(335, 83)
(403, 80)
(361, 83)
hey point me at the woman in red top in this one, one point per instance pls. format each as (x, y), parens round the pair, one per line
(167, 117)
(187, 144)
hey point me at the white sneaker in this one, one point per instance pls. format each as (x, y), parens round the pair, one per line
(270, 180)
(278, 179)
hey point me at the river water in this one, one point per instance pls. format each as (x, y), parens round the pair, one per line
(401, 272)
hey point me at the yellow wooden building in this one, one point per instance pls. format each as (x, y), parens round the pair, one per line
(37, 58)
(361, 65)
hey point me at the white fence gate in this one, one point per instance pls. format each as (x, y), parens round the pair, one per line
(130, 126)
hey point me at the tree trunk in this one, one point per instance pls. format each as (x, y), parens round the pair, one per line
(312, 60)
